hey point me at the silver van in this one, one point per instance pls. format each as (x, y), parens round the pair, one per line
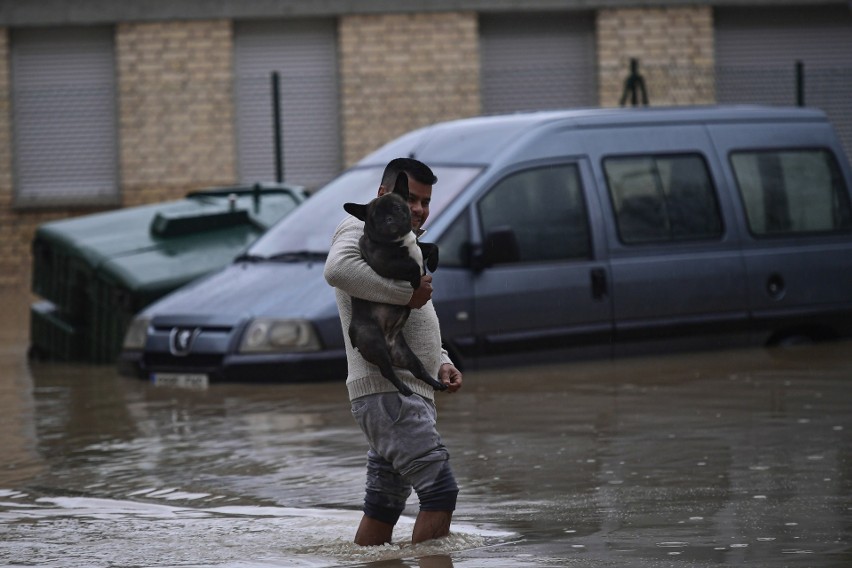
(577, 233)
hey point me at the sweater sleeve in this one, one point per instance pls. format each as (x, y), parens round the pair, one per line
(445, 357)
(346, 269)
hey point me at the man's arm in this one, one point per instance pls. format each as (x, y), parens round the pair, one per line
(448, 374)
(347, 270)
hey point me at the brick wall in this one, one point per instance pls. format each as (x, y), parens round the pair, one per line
(403, 71)
(176, 123)
(674, 47)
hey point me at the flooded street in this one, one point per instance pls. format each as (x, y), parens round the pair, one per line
(715, 459)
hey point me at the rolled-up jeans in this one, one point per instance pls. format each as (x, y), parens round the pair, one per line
(405, 451)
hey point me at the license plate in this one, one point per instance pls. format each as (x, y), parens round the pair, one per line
(181, 380)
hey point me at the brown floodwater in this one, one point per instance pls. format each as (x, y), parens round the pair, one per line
(711, 459)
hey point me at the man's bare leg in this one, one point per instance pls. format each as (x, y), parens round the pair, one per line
(372, 532)
(431, 525)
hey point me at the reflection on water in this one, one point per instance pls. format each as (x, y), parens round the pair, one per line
(20, 461)
(698, 460)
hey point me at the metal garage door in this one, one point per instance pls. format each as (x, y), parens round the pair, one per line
(756, 51)
(537, 61)
(64, 116)
(304, 53)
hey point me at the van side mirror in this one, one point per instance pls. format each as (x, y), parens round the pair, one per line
(499, 247)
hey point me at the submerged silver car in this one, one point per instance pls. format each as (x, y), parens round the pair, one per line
(585, 233)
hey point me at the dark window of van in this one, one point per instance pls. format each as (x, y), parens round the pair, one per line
(454, 244)
(662, 198)
(792, 191)
(545, 210)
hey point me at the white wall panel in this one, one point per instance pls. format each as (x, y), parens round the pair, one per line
(537, 61)
(304, 53)
(64, 115)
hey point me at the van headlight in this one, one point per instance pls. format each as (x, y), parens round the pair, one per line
(137, 334)
(274, 335)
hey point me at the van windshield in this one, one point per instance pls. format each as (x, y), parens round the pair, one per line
(308, 230)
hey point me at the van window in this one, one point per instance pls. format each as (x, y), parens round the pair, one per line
(455, 243)
(662, 198)
(789, 192)
(310, 227)
(545, 209)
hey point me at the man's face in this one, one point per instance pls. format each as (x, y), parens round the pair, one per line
(419, 197)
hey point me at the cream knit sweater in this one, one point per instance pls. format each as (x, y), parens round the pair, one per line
(350, 275)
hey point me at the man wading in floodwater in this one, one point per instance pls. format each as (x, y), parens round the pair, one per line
(405, 448)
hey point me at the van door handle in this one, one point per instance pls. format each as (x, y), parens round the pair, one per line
(599, 288)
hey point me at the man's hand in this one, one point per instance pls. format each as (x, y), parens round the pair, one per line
(450, 376)
(422, 294)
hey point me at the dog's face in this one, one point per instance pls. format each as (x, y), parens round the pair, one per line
(386, 218)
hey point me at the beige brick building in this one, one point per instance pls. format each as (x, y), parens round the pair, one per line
(675, 46)
(390, 84)
(180, 123)
(175, 107)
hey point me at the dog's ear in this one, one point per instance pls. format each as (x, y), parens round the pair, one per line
(356, 210)
(401, 185)
(430, 255)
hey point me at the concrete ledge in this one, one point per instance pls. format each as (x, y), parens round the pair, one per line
(23, 13)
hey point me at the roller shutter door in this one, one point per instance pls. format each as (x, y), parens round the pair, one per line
(537, 61)
(756, 51)
(304, 53)
(64, 116)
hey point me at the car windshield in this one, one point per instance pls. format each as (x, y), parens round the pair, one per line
(308, 230)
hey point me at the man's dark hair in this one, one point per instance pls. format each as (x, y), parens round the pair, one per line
(414, 168)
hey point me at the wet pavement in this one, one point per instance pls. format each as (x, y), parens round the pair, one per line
(715, 459)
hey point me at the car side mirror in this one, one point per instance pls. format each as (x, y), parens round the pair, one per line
(499, 247)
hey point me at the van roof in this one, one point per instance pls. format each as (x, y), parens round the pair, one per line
(478, 140)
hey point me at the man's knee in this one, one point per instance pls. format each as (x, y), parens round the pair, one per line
(441, 493)
(382, 508)
(387, 491)
(385, 497)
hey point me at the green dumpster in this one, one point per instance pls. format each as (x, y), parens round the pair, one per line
(93, 273)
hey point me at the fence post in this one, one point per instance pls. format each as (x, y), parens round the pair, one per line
(276, 127)
(800, 84)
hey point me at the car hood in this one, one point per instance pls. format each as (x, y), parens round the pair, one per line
(253, 289)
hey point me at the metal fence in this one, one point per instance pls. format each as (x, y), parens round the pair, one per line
(828, 89)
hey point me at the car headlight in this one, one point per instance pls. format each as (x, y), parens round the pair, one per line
(273, 335)
(137, 334)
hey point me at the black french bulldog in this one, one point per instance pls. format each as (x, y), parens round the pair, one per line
(391, 249)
